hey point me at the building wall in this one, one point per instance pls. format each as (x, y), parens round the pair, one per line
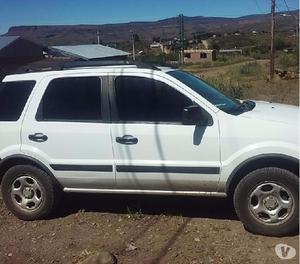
(17, 54)
(21, 49)
(195, 56)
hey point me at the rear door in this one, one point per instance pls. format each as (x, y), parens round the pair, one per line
(153, 149)
(66, 128)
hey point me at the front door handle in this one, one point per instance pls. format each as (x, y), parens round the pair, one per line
(38, 137)
(127, 140)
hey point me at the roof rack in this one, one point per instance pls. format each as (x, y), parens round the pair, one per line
(67, 65)
(98, 63)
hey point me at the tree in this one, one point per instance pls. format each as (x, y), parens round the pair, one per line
(156, 39)
(213, 44)
(280, 44)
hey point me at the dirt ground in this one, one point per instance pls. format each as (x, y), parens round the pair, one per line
(137, 229)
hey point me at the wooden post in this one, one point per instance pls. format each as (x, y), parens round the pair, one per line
(272, 55)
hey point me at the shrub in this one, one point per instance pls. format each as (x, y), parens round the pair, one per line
(258, 55)
(280, 44)
(250, 69)
(285, 61)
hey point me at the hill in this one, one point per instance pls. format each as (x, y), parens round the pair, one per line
(168, 28)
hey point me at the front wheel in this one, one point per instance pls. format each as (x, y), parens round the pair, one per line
(267, 201)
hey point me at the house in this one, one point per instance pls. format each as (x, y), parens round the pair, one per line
(155, 45)
(89, 52)
(16, 49)
(16, 52)
(203, 55)
(288, 50)
(162, 47)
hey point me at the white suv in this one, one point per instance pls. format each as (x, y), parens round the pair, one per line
(145, 130)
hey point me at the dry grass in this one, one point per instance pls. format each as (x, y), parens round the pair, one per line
(249, 80)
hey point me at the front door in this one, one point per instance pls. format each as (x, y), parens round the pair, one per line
(153, 150)
(66, 129)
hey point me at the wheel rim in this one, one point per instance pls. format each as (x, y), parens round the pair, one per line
(26, 193)
(271, 203)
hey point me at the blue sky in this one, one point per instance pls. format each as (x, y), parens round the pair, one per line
(55, 12)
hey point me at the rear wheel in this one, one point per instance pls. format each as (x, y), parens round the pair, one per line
(267, 201)
(28, 192)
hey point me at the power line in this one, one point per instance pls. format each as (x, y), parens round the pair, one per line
(286, 5)
(295, 17)
(289, 10)
(278, 9)
(258, 7)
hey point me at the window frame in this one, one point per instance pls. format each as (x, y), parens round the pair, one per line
(203, 55)
(105, 117)
(114, 107)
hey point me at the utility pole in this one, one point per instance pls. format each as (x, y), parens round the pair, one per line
(98, 37)
(272, 55)
(181, 37)
(133, 44)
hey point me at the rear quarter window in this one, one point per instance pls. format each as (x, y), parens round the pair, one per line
(13, 97)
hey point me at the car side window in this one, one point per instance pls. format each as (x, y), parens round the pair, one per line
(13, 97)
(142, 99)
(73, 99)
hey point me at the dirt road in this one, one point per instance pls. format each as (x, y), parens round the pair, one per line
(137, 229)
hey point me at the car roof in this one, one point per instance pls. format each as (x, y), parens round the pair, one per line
(41, 69)
(85, 71)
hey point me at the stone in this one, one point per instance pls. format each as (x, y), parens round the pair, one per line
(131, 247)
(101, 257)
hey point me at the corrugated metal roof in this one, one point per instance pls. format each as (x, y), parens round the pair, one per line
(93, 51)
(6, 40)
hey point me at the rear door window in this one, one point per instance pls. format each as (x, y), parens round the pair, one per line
(71, 99)
(13, 97)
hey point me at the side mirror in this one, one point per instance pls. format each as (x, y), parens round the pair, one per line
(194, 115)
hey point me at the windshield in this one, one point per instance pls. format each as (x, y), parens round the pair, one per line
(210, 93)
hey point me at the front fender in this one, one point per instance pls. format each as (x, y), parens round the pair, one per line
(265, 150)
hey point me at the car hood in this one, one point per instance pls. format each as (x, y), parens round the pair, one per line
(269, 111)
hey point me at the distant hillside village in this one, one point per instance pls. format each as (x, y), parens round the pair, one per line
(174, 47)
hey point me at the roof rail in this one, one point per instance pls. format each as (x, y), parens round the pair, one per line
(97, 63)
(67, 65)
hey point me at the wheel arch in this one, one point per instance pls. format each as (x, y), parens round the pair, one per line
(258, 162)
(19, 159)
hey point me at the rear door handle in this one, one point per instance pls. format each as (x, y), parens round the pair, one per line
(38, 137)
(127, 140)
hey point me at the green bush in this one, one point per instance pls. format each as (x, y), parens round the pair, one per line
(285, 61)
(158, 58)
(250, 69)
(258, 55)
(280, 44)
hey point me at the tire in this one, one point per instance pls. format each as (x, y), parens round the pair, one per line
(267, 202)
(29, 192)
